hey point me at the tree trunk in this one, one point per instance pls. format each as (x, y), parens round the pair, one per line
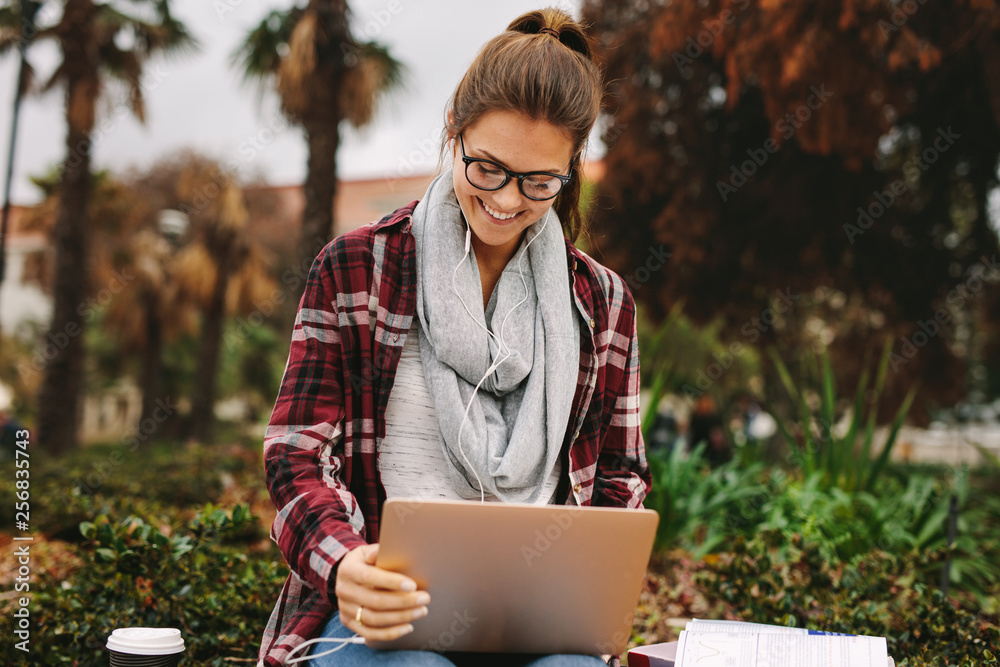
(323, 137)
(151, 362)
(203, 410)
(59, 396)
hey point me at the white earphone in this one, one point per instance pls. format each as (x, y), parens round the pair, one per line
(501, 344)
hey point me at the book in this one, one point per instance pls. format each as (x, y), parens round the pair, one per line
(705, 643)
(653, 655)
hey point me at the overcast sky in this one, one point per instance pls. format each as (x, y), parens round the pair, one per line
(198, 101)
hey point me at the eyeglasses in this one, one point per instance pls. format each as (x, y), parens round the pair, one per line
(488, 175)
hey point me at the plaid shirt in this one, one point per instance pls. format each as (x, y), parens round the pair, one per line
(321, 446)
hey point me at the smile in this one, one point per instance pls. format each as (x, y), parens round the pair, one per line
(499, 215)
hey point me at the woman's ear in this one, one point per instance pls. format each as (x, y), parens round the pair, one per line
(449, 125)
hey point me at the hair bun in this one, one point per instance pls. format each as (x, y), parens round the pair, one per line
(557, 23)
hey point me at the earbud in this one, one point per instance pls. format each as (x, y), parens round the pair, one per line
(501, 343)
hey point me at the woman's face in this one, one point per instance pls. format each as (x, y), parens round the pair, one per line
(498, 218)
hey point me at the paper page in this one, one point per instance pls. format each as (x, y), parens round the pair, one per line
(821, 651)
(716, 649)
(739, 627)
(725, 649)
(702, 625)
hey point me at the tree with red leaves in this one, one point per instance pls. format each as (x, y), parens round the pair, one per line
(838, 152)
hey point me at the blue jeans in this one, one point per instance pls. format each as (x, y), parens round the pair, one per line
(359, 655)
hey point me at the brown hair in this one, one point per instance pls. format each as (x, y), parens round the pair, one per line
(543, 67)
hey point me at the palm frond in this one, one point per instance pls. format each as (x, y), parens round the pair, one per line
(126, 66)
(174, 37)
(251, 284)
(373, 75)
(297, 68)
(10, 29)
(55, 78)
(259, 56)
(164, 35)
(195, 272)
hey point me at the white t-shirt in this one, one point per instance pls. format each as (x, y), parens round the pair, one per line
(412, 461)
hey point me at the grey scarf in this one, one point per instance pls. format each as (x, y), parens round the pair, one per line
(517, 421)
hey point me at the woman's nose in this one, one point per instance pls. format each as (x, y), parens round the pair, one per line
(509, 196)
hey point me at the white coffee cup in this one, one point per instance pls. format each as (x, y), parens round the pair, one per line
(145, 647)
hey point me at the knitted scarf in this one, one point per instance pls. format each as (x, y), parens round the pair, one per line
(517, 420)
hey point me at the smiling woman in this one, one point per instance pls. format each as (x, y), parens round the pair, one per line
(499, 216)
(460, 348)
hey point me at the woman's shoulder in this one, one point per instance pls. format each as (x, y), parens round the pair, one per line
(598, 278)
(362, 240)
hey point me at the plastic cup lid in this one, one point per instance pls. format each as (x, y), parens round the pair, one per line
(146, 641)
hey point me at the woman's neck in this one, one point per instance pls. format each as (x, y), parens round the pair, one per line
(491, 261)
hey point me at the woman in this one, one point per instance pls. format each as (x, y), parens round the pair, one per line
(432, 348)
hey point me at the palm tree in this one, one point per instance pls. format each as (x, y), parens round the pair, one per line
(130, 259)
(99, 42)
(323, 76)
(150, 314)
(222, 269)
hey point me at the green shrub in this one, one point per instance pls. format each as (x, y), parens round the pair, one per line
(154, 480)
(844, 459)
(699, 507)
(875, 595)
(702, 510)
(137, 574)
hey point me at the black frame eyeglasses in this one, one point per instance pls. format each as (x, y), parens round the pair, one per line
(508, 174)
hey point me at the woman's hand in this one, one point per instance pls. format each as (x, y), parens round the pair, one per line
(388, 600)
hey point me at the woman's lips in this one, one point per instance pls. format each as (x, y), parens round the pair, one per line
(493, 218)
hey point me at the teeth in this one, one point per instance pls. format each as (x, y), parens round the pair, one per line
(497, 214)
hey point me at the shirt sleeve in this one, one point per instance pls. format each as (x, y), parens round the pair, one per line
(318, 519)
(622, 477)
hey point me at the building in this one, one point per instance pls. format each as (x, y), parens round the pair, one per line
(24, 307)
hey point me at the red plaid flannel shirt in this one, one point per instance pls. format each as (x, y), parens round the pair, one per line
(321, 446)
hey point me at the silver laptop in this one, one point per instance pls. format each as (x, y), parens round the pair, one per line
(515, 578)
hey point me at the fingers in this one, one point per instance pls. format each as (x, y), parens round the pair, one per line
(381, 625)
(388, 601)
(380, 600)
(380, 615)
(358, 566)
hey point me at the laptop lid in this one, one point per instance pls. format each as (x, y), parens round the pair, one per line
(515, 578)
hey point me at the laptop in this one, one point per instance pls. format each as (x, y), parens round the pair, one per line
(517, 578)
